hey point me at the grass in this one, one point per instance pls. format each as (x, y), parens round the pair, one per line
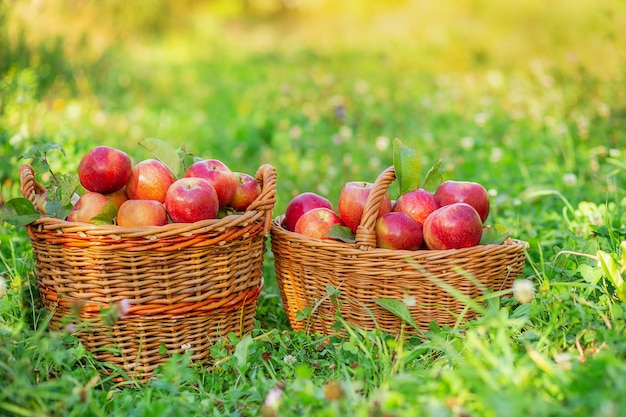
(321, 96)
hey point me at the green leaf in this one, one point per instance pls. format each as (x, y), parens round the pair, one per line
(611, 270)
(19, 212)
(434, 177)
(57, 210)
(342, 233)
(107, 214)
(494, 234)
(64, 188)
(407, 165)
(164, 152)
(242, 349)
(398, 309)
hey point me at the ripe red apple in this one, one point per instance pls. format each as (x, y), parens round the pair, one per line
(398, 230)
(453, 226)
(317, 222)
(418, 204)
(248, 189)
(134, 213)
(352, 200)
(104, 169)
(149, 180)
(302, 203)
(88, 206)
(190, 200)
(218, 175)
(118, 197)
(468, 192)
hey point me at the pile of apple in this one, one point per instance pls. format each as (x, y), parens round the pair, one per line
(149, 194)
(452, 217)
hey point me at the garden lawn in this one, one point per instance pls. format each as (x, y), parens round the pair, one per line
(541, 127)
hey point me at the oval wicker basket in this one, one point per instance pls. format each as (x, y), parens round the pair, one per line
(363, 273)
(179, 287)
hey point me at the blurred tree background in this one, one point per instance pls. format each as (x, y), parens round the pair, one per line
(259, 80)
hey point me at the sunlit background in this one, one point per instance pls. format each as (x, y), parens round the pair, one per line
(285, 81)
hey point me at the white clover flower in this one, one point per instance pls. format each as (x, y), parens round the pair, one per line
(122, 308)
(273, 398)
(409, 300)
(382, 143)
(569, 179)
(523, 290)
(496, 154)
(289, 359)
(467, 143)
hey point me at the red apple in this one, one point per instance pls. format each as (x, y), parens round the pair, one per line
(104, 169)
(149, 180)
(468, 192)
(218, 175)
(134, 213)
(453, 226)
(118, 197)
(397, 230)
(302, 203)
(248, 189)
(317, 222)
(88, 206)
(352, 200)
(418, 204)
(190, 200)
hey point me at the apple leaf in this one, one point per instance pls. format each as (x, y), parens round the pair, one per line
(164, 152)
(408, 166)
(60, 193)
(398, 309)
(494, 234)
(19, 212)
(107, 215)
(55, 209)
(342, 233)
(38, 154)
(434, 176)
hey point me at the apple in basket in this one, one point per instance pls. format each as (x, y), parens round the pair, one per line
(136, 213)
(248, 189)
(190, 200)
(302, 203)
(88, 206)
(417, 203)
(149, 180)
(398, 231)
(104, 169)
(352, 200)
(317, 223)
(118, 197)
(218, 175)
(468, 192)
(453, 226)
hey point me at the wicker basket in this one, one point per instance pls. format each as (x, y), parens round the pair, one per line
(178, 287)
(363, 273)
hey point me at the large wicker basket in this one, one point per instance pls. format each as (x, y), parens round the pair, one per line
(363, 273)
(173, 288)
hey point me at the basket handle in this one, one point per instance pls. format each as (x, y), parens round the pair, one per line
(266, 177)
(30, 188)
(365, 232)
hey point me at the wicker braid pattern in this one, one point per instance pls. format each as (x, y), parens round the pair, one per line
(132, 291)
(363, 273)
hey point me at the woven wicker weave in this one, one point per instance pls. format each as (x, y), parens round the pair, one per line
(363, 273)
(183, 285)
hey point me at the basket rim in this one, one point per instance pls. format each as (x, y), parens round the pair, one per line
(259, 210)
